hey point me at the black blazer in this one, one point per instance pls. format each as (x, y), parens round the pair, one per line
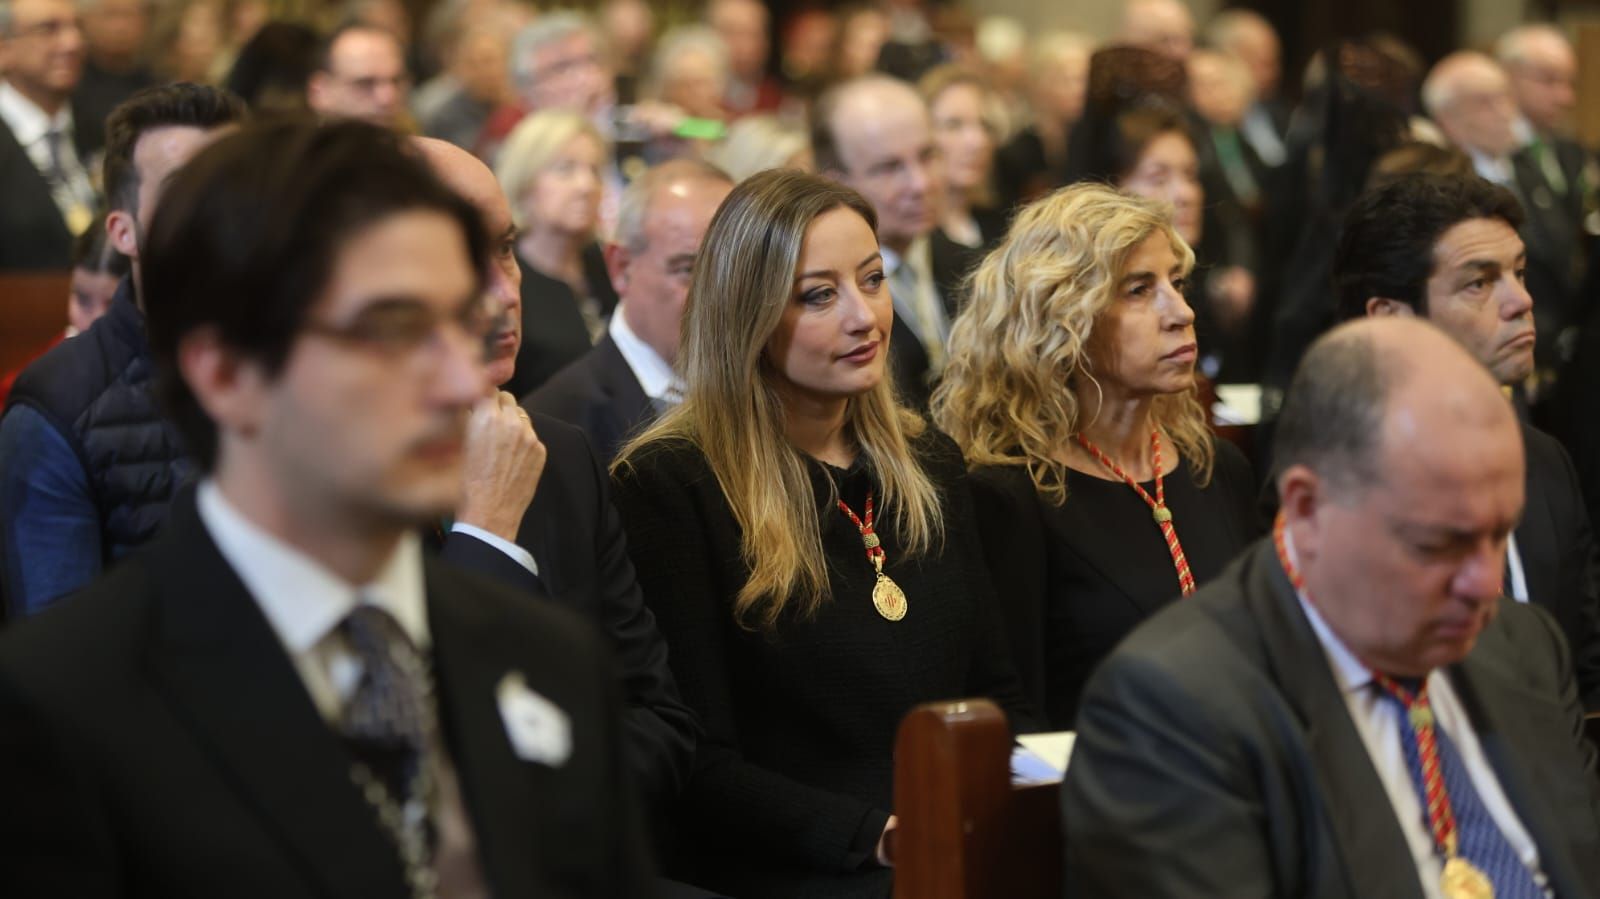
(33, 236)
(156, 740)
(908, 359)
(1216, 757)
(599, 394)
(553, 330)
(576, 538)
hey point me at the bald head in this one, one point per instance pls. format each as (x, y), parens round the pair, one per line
(874, 134)
(1544, 72)
(1163, 26)
(474, 182)
(1469, 96)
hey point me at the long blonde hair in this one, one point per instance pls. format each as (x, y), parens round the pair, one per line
(1020, 346)
(743, 279)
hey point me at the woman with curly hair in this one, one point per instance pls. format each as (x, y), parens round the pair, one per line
(1101, 493)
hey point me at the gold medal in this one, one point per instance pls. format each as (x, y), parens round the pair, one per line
(1421, 716)
(79, 218)
(888, 598)
(1461, 880)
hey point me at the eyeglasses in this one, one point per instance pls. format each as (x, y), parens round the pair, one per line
(403, 327)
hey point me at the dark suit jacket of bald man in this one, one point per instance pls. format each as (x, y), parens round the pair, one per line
(1216, 757)
(575, 536)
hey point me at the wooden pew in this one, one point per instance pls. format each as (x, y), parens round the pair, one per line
(965, 832)
(33, 310)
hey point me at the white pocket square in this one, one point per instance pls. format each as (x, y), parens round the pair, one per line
(539, 730)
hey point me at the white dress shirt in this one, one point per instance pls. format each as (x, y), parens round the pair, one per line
(31, 126)
(1379, 723)
(659, 382)
(305, 603)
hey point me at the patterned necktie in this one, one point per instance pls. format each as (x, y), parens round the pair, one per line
(387, 725)
(71, 193)
(1480, 840)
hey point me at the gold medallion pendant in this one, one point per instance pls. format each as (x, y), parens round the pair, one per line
(1461, 880)
(888, 598)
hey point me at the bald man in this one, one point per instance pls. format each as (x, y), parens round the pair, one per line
(1163, 26)
(556, 538)
(1250, 37)
(1273, 734)
(874, 134)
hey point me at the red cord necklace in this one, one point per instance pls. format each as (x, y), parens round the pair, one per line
(1157, 504)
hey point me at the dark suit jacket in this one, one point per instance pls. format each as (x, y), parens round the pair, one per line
(576, 538)
(600, 395)
(908, 359)
(1215, 756)
(553, 330)
(1553, 233)
(156, 740)
(33, 236)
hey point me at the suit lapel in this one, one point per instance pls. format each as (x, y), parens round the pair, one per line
(620, 383)
(1370, 844)
(1510, 720)
(500, 796)
(231, 682)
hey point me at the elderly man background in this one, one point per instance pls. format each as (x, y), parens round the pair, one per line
(361, 75)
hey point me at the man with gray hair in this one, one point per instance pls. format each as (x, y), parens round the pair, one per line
(44, 141)
(627, 379)
(1276, 733)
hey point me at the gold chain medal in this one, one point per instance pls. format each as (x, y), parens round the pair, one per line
(1461, 880)
(887, 597)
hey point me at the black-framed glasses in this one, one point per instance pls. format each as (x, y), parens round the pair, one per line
(399, 327)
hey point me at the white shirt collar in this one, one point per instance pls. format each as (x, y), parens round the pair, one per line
(655, 375)
(1348, 671)
(301, 598)
(1492, 168)
(28, 123)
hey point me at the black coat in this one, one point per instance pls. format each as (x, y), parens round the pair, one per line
(599, 394)
(794, 780)
(33, 236)
(575, 536)
(554, 333)
(908, 359)
(156, 740)
(1216, 756)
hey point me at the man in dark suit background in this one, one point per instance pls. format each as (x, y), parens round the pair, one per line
(44, 144)
(536, 512)
(281, 696)
(874, 134)
(1447, 248)
(1273, 734)
(627, 379)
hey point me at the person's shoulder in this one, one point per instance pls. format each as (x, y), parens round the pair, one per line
(565, 444)
(1543, 450)
(86, 643)
(491, 607)
(674, 459)
(933, 447)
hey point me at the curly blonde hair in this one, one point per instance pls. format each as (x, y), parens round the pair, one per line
(1020, 347)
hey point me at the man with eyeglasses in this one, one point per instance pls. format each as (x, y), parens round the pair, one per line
(361, 74)
(87, 462)
(281, 695)
(44, 147)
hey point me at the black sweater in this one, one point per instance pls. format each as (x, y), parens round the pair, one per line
(794, 780)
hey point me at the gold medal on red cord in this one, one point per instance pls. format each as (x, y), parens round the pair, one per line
(887, 597)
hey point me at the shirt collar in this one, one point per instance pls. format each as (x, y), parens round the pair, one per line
(301, 598)
(655, 375)
(1348, 670)
(28, 123)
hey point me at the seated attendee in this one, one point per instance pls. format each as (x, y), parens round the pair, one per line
(744, 26)
(318, 709)
(873, 134)
(536, 510)
(551, 170)
(44, 142)
(628, 379)
(1031, 163)
(272, 69)
(1276, 734)
(558, 62)
(689, 70)
(808, 547)
(1446, 248)
(959, 103)
(361, 75)
(87, 461)
(1246, 35)
(1071, 387)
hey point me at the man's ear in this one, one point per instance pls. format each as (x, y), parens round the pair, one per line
(1383, 306)
(617, 260)
(123, 232)
(226, 385)
(317, 90)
